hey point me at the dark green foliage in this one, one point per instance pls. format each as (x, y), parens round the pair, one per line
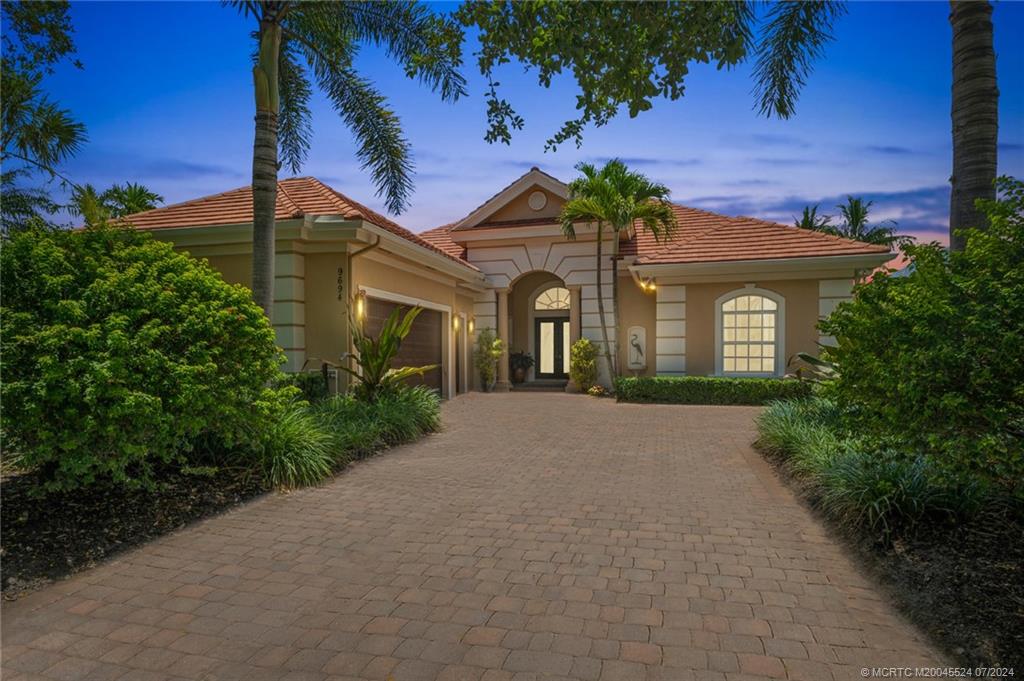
(583, 363)
(936, 359)
(621, 56)
(707, 389)
(312, 384)
(859, 481)
(376, 377)
(401, 416)
(297, 448)
(37, 134)
(118, 353)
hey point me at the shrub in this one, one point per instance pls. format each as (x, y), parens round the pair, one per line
(936, 358)
(361, 428)
(707, 389)
(297, 448)
(374, 356)
(857, 481)
(118, 353)
(583, 364)
(312, 385)
(486, 355)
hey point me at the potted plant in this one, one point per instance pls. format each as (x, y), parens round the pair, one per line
(485, 357)
(518, 364)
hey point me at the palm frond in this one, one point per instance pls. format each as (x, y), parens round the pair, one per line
(795, 36)
(294, 121)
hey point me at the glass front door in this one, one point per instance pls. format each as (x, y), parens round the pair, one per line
(552, 344)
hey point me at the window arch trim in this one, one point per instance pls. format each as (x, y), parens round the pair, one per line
(780, 331)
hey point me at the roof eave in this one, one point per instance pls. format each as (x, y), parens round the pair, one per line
(796, 265)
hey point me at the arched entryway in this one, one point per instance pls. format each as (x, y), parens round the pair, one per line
(544, 323)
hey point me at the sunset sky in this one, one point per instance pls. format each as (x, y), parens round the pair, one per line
(166, 96)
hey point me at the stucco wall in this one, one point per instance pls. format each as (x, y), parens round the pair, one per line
(519, 207)
(519, 306)
(801, 297)
(637, 308)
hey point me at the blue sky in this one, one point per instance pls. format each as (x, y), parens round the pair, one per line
(166, 97)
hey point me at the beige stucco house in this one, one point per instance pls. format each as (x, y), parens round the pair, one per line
(726, 296)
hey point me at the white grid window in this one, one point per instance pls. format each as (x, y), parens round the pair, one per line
(555, 298)
(749, 338)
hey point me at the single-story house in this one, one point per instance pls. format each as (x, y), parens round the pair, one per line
(731, 296)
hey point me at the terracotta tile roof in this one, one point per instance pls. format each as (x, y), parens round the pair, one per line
(703, 236)
(296, 198)
(441, 238)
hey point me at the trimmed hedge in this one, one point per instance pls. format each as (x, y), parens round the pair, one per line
(708, 390)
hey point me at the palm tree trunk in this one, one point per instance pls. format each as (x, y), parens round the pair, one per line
(975, 115)
(615, 300)
(264, 164)
(600, 303)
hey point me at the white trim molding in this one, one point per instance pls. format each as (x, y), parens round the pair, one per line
(670, 330)
(831, 292)
(780, 330)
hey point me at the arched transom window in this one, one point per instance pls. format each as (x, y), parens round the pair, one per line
(555, 298)
(750, 340)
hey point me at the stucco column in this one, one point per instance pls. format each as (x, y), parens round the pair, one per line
(574, 313)
(503, 385)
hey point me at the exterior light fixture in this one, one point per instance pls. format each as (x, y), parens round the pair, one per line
(651, 286)
(455, 322)
(470, 324)
(361, 306)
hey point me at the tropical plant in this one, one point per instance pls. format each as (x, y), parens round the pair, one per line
(37, 135)
(811, 220)
(116, 202)
(816, 369)
(120, 352)
(583, 363)
(362, 428)
(618, 198)
(635, 59)
(374, 356)
(486, 356)
(854, 225)
(936, 357)
(520, 360)
(299, 43)
(297, 449)
(975, 117)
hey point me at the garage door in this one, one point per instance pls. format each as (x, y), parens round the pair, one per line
(421, 347)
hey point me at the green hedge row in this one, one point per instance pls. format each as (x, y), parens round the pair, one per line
(708, 390)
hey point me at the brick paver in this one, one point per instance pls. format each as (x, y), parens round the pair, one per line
(538, 536)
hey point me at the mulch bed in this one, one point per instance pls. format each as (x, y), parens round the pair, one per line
(43, 539)
(961, 584)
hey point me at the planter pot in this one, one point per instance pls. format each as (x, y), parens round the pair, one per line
(519, 375)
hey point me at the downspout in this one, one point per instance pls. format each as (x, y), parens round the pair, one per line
(349, 258)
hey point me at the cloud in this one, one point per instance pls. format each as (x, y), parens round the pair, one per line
(758, 140)
(172, 168)
(649, 161)
(784, 161)
(922, 211)
(1010, 146)
(888, 150)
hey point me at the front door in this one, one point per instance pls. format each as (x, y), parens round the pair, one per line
(551, 340)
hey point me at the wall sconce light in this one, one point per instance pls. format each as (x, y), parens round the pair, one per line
(455, 322)
(360, 306)
(649, 285)
(471, 324)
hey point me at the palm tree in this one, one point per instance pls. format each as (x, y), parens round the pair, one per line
(811, 220)
(975, 116)
(855, 225)
(302, 43)
(96, 208)
(618, 198)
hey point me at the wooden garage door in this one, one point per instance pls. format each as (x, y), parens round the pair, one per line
(421, 347)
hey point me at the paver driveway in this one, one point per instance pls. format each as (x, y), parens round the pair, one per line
(539, 535)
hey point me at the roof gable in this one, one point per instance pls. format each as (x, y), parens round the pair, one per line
(504, 206)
